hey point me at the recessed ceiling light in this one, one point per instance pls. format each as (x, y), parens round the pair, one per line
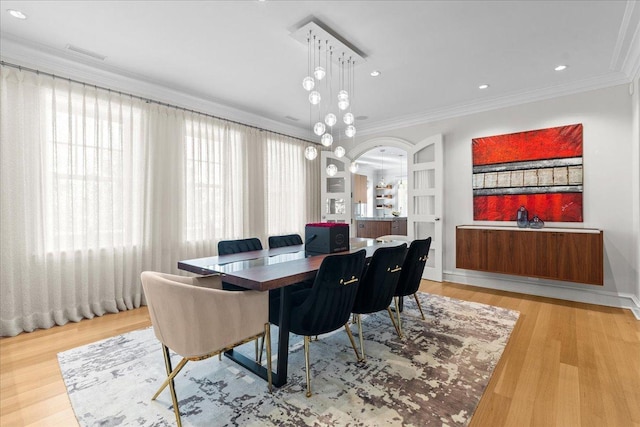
(17, 14)
(483, 86)
(560, 67)
(375, 73)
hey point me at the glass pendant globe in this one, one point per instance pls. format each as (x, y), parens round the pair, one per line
(332, 170)
(314, 97)
(310, 152)
(343, 104)
(326, 139)
(319, 128)
(343, 95)
(339, 152)
(348, 118)
(353, 167)
(350, 131)
(330, 119)
(308, 83)
(319, 73)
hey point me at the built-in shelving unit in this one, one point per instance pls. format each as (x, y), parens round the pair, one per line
(384, 197)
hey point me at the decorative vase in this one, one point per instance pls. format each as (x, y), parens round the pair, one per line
(536, 222)
(522, 217)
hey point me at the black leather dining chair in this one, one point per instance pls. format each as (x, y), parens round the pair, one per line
(284, 240)
(411, 275)
(228, 247)
(378, 286)
(327, 305)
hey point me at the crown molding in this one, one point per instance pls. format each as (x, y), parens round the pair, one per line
(512, 100)
(58, 61)
(67, 65)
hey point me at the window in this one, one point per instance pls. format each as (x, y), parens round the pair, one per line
(90, 196)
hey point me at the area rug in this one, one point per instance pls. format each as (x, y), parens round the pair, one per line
(434, 376)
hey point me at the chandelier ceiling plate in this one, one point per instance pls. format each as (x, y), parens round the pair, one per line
(338, 43)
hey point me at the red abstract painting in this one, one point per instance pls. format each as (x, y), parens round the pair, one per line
(539, 169)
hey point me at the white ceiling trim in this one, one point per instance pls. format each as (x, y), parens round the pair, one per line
(494, 104)
(56, 61)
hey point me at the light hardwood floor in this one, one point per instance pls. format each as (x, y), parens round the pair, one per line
(566, 364)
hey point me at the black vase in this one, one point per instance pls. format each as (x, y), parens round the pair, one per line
(536, 222)
(522, 217)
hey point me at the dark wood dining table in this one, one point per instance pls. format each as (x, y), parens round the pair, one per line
(270, 269)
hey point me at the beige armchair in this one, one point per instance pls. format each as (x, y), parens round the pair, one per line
(196, 319)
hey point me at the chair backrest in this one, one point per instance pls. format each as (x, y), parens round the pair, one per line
(195, 321)
(228, 247)
(286, 240)
(379, 281)
(413, 266)
(330, 300)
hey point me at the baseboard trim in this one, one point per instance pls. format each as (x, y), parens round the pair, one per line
(547, 289)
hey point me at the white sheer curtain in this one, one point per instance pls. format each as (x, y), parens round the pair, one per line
(98, 186)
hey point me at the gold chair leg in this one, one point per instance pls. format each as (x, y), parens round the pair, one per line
(169, 381)
(395, 324)
(170, 378)
(419, 306)
(398, 314)
(364, 356)
(174, 399)
(353, 342)
(306, 364)
(267, 335)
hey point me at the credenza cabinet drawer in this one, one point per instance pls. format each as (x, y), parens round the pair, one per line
(572, 256)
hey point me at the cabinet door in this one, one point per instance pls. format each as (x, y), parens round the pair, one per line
(399, 227)
(471, 249)
(499, 251)
(359, 188)
(382, 228)
(580, 257)
(544, 257)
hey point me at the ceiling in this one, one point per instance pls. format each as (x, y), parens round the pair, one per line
(237, 59)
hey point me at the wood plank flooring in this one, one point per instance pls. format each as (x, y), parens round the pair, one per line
(566, 364)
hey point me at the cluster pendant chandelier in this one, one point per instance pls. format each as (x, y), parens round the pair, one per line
(329, 86)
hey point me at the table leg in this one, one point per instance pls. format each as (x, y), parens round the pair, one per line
(280, 378)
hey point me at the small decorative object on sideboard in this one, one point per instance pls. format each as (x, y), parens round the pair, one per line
(536, 222)
(522, 217)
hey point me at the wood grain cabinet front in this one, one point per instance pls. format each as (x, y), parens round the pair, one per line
(566, 255)
(373, 229)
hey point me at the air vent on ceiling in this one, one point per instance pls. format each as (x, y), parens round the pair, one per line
(85, 52)
(292, 118)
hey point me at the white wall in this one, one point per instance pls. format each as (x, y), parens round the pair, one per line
(610, 164)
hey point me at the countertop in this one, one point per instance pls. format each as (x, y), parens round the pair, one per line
(386, 218)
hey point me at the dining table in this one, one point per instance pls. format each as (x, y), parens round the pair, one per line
(270, 270)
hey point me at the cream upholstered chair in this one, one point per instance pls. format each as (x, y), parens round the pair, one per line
(196, 319)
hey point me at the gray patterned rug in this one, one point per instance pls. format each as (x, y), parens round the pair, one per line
(435, 376)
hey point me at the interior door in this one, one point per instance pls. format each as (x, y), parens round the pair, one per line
(425, 181)
(336, 190)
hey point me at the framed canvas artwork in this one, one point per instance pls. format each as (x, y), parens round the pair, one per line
(539, 169)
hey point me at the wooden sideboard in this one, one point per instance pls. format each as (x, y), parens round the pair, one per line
(374, 228)
(566, 254)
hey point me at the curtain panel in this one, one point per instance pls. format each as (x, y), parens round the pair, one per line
(98, 187)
